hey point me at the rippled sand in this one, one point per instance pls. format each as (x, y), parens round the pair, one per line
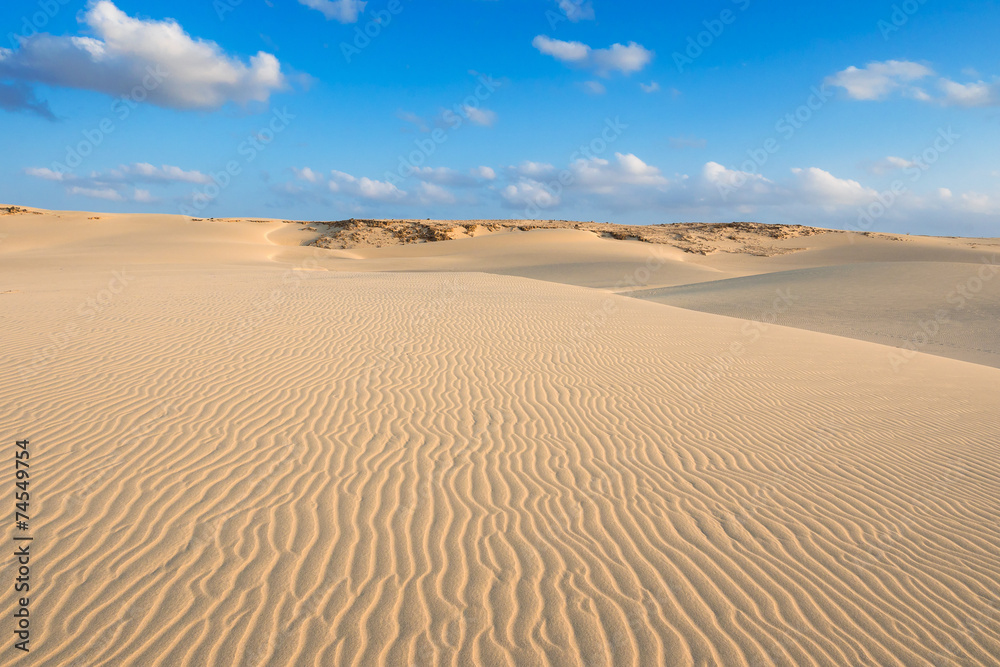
(247, 452)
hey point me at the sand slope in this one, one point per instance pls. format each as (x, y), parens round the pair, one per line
(946, 308)
(255, 461)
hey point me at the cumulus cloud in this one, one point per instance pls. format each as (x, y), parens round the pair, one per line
(307, 174)
(430, 187)
(603, 176)
(176, 70)
(977, 202)
(445, 176)
(815, 184)
(485, 173)
(529, 192)
(622, 58)
(625, 182)
(119, 184)
(567, 52)
(595, 87)
(531, 169)
(431, 193)
(876, 80)
(364, 187)
(144, 197)
(735, 186)
(345, 11)
(144, 172)
(977, 94)
(652, 87)
(879, 80)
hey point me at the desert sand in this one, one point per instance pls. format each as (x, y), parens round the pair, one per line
(277, 443)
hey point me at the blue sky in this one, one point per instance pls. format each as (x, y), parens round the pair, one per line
(881, 116)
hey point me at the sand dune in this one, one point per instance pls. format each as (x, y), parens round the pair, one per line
(254, 453)
(946, 308)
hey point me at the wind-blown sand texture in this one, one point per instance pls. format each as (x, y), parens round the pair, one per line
(252, 451)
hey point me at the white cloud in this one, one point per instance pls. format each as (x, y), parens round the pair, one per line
(446, 176)
(361, 192)
(364, 188)
(109, 194)
(651, 87)
(621, 58)
(617, 58)
(306, 174)
(600, 176)
(44, 173)
(626, 182)
(567, 52)
(345, 11)
(976, 202)
(144, 197)
(157, 57)
(890, 163)
(531, 169)
(808, 189)
(120, 184)
(485, 173)
(978, 94)
(876, 80)
(431, 193)
(595, 87)
(826, 189)
(142, 171)
(577, 10)
(480, 116)
(735, 186)
(527, 192)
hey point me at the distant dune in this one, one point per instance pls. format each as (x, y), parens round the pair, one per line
(272, 443)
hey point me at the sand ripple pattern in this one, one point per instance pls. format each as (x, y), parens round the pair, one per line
(432, 469)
